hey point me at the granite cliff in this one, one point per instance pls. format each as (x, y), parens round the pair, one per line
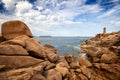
(22, 57)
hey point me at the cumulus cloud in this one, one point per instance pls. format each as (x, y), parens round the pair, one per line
(9, 4)
(42, 15)
(22, 7)
(114, 10)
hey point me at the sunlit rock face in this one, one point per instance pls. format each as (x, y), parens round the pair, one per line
(12, 29)
(103, 50)
(22, 57)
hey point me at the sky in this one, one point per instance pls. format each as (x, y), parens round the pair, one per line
(63, 17)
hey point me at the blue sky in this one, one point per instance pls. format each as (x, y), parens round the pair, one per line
(63, 17)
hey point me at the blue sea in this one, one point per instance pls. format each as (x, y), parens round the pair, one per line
(64, 45)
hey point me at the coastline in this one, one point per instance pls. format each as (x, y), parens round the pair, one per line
(23, 57)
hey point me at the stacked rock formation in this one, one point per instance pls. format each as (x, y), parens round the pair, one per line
(22, 57)
(104, 53)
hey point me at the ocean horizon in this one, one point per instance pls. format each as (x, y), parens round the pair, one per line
(64, 45)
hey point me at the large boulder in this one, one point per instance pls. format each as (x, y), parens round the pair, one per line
(14, 62)
(35, 48)
(12, 50)
(15, 28)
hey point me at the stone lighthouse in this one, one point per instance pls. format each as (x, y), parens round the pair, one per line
(104, 30)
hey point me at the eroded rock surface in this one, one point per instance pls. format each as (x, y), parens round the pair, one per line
(25, 58)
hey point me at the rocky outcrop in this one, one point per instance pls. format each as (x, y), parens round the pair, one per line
(104, 58)
(14, 28)
(24, 58)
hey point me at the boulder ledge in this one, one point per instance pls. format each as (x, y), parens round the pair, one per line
(22, 57)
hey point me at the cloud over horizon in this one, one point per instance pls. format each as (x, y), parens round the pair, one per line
(63, 17)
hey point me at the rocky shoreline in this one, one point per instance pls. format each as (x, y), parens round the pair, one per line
(22, 57)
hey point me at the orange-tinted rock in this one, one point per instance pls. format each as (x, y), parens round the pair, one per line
(12, 50)
(82, 77)
(12, 29)
(14, 62)
(74, 65)
(53, 74)
(85, 71)
(61, 67)
(51, 56)
(17, 74)
(109, 58)
(34, 48)
(62, 59)
(70, 58)
(38, 77)
(83, 61)
(14, 42)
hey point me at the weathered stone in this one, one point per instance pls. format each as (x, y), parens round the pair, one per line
(13, 62)
(70, 58)
(15, 28)
(109, 58)
(38, 77)
(24, 74)
(83, 61)
(95, 59)
(53, 74)
(82, 77)
(97, 65)
(78, 70)
(74, 65)
(34, 48)
(62, 59)
(51, 56)
(14, 42)
(22, 38)
(61, 67)
(2, 66)
(50, 66)
(72, 75)
(38, 68)
(85, 71)
(12, 50)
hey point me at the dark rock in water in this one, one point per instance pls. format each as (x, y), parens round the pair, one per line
(15, 28)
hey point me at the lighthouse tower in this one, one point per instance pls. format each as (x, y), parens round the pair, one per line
(104, 30)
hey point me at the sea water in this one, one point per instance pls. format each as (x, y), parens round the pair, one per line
(64, 45)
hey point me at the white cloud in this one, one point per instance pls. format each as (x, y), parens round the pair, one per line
(115, 23)
(50, 13)
(9, 4)
(110, 12)
(22, 7)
